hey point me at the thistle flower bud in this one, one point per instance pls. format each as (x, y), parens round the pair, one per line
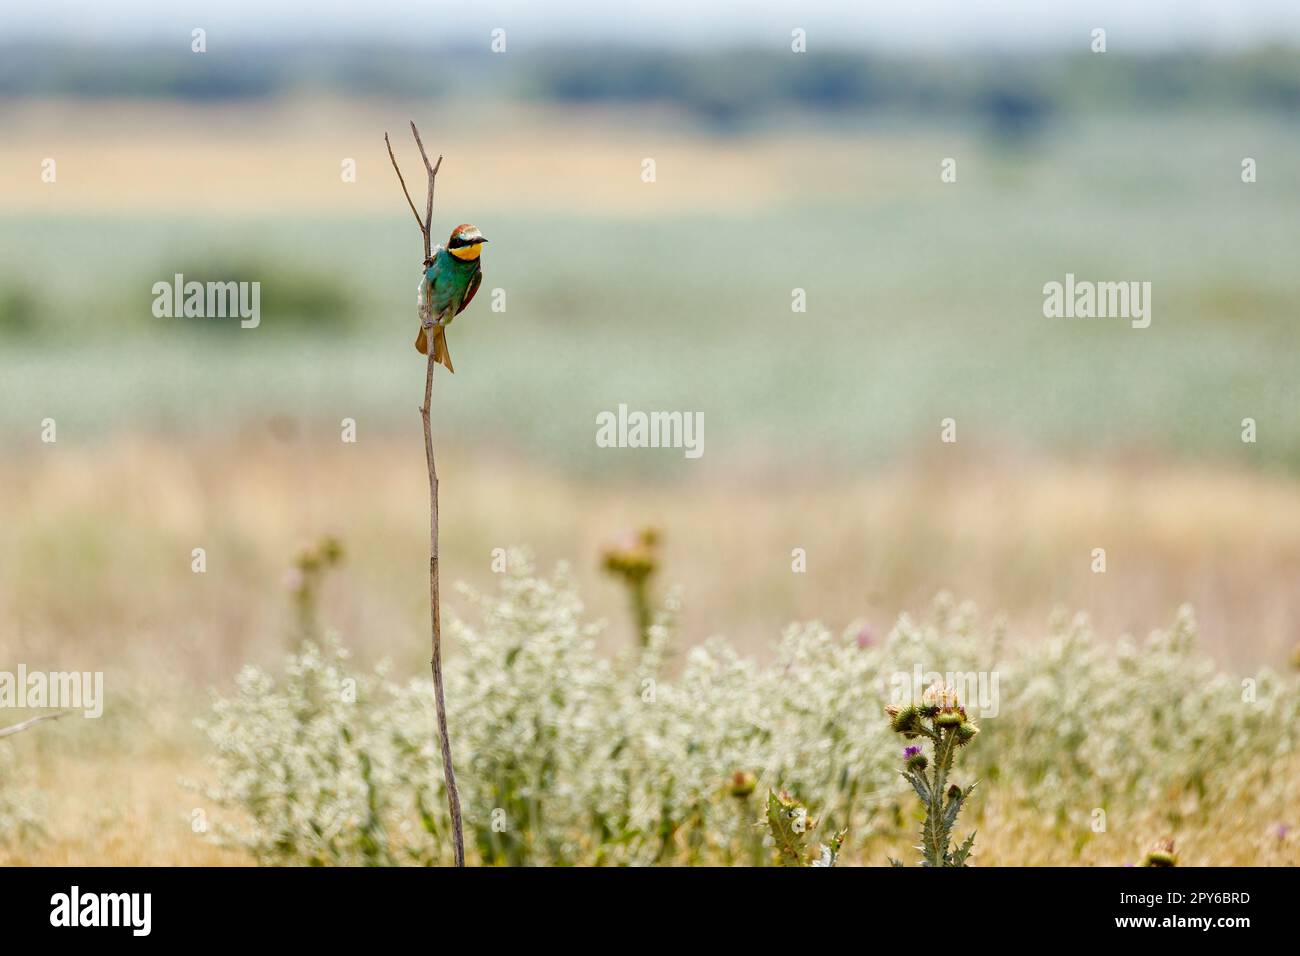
(631, 563)
(634, 556)
(1161, 854)
(914, 759)
(331, 549)
(325, 553)
(742, 784)
(905, 721)
(954, 791)
(966, 733)
(950, 718)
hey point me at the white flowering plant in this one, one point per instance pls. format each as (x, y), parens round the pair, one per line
(573, 757)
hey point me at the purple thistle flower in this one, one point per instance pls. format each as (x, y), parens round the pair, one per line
(910, 752)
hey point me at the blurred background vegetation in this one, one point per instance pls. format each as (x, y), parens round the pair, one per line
(775, 172)
(724, 90)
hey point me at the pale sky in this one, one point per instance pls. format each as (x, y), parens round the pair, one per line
(922, 24)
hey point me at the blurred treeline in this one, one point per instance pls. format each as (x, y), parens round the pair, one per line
(722, 89)
(296, 295)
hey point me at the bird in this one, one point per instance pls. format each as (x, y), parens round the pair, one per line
(452, 275)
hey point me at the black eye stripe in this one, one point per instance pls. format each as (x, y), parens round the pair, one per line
(457, 242)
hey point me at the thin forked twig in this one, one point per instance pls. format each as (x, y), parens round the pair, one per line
(423, 229)
(426, 227)
(30, 722)
(432, 169)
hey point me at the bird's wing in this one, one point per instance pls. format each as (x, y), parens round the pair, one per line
(432, 272)
(429, 282)
(474, 283)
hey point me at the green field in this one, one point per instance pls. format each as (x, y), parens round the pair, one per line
(924, 301)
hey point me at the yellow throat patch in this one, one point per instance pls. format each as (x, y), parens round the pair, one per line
(466, 253)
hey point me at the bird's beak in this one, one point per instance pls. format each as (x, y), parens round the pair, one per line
(481, 239)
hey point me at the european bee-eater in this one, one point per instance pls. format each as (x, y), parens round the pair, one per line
(453, 275)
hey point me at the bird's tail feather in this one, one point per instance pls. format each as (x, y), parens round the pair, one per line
(441, 354)
(440, 349)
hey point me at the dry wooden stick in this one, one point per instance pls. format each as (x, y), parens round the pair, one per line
(426, 320)
(401, 180)
(30, 722)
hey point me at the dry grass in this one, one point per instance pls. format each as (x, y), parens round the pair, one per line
(106, 809)
(137, 819)
(105, 804)
(110, 790)
(1010, 834)
(120, 520)
(287, 155)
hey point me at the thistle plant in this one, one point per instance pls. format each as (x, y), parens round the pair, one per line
(633, 560)
(745, 835)
(789, 824)
(941, 719)
(305, 579)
